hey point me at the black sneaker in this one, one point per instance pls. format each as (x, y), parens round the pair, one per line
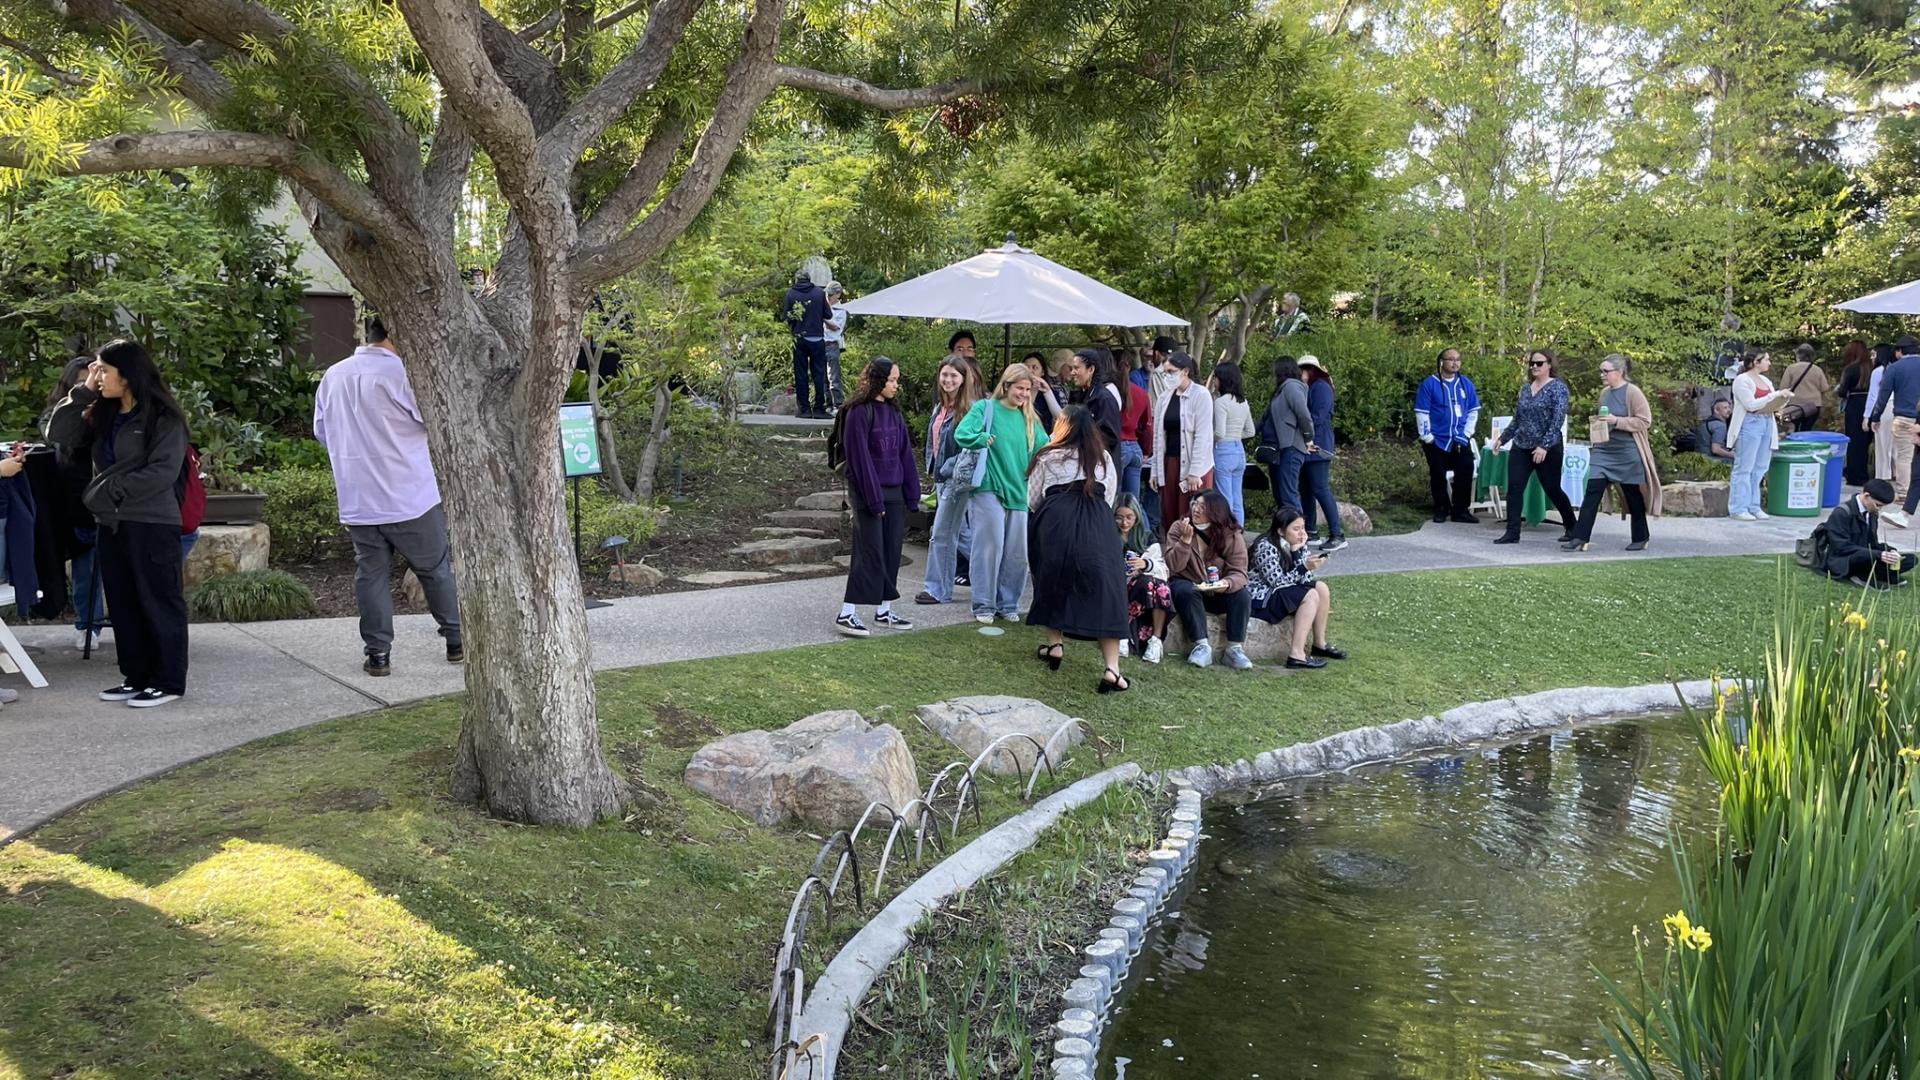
(378, 664)
(1330, 652)
(1309, 663)
(960, 582)
(891, 621)
(123, 692)
(1333, 543)
(851, 626)
(456, 653)
(1464, 518)
(148, 698)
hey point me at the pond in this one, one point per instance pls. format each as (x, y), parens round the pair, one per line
(1439, 918)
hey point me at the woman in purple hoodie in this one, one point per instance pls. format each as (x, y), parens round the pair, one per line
(883, 481)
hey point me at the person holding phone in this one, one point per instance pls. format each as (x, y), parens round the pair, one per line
(1281, 584)
(1149, 600)
(1752, 434)
(1207, 573)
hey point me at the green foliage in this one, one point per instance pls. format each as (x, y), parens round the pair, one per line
(217, 304)
(603, 516)
(250, 596)
(1380, 473)
(301, 510)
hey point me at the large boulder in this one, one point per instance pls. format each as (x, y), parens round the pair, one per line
(1695, 498)
(823, 771)
(821, 500)
(228, 549)
(972, 723)
(1265, 640)
(775, 550)
(783, 403)
(1354, 520)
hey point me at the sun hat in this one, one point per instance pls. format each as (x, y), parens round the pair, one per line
(1312, 361)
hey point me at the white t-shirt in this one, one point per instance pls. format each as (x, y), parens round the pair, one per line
(837, 314)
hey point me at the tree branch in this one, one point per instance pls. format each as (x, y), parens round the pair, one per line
(846, 86)
(448, 161)
(44, 62)
(631, 195)
(195, 149)
(636, 73)
(624, 14)
(750, 78)
(199, 82)
(540, 27)
(534, 78)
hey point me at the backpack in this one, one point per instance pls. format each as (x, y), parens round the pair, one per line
(836, 443)
(191, 492)
(1811, 551)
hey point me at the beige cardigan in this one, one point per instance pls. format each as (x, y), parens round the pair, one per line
(1639, 423)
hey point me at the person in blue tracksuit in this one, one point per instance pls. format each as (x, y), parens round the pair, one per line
(1447, 409)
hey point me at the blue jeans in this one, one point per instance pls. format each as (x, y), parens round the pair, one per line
(1751, 456)
(90, 609)
(1131, 462)
(999, 559)
(943, 547)
(1286, 478)
(1318, 474)
(187, 540)
(1229, 469)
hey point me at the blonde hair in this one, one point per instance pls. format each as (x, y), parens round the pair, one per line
(1017, 373)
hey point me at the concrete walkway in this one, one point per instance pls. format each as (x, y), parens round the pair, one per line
(62, 746)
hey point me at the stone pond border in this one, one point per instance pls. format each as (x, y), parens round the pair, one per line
(851, 974)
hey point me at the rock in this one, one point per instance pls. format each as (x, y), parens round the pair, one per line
(971, 723)
(785, 549)
(228, 549)
(1265, 640)
(639, 575)
(783, 404)
(822, 771)
(806, 519)
(728, 577)
(1695, 498)
(777, 531)
(411, 588)
(821, 500)
(811, 457)
(1354, 520)
(746, 387)
(808, 568)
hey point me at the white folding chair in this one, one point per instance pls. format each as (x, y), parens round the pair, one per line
(16, 651)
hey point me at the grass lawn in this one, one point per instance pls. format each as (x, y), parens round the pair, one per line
(312, 905)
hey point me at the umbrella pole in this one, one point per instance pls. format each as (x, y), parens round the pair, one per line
(1006, 345)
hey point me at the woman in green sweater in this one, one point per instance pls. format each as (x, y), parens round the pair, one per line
(1006, 427)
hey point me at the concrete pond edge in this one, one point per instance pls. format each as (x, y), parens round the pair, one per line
(848, 977)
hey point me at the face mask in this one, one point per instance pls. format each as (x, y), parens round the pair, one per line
(1202, 525)
(1170, 380)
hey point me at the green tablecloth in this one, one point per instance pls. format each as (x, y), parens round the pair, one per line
(1493, 473)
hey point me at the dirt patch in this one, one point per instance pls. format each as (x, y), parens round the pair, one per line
(683, 728)
(353, 800)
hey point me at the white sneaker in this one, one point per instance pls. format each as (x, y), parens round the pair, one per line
(1010, 618)
(1896, 518)
(1742, 516)
(1201, 656)
(851, 626)
(1761, 514)
(1126, 649)
(1155, 650)
(984, 620)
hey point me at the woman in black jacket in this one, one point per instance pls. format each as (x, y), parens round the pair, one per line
(125, 416)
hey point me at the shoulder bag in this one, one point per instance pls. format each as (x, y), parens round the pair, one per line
(968, 469)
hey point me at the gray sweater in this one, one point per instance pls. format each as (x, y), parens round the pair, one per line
(1288, 424)
(139, 484)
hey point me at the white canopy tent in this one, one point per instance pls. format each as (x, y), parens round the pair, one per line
(1897, 300)
(1010, 284)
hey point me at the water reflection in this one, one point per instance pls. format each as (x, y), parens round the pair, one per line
(1434, 920)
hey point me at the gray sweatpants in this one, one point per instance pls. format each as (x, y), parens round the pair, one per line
(422, 542)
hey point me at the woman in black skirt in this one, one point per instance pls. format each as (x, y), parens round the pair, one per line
(1281, 583)
(1079, 569)
(882, 482)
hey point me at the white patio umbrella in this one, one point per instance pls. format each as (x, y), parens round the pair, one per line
(1897, 300)
(1010, 284)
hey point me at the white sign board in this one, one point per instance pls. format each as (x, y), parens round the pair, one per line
(1573, 471)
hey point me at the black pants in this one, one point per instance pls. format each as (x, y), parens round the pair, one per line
(1859, 467)
(1194, 606)
(810, 361)
(1520, 467)
(1460, 460)
(1590, 509)
(1868, 565)
(873, 578)
(140, 566)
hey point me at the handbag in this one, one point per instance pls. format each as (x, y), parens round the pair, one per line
(968, 469)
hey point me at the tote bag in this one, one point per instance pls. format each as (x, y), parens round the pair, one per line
(969, 467)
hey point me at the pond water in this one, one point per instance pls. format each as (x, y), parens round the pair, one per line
(1437, 919)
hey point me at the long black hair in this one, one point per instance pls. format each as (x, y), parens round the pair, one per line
(1285, 369)
(1098, 361)
(1226, 377)
(872, 381)
(136, 368)
(1075, 433)
(71, 376)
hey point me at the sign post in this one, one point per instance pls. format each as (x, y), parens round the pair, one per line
(579, 456)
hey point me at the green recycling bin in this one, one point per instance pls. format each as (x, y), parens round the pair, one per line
(1794, 479)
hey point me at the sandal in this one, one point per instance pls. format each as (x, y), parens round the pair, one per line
(1116, 684)
(1052, 655)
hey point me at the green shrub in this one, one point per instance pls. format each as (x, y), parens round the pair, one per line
(602, 516)
(1380, 473)
(250, 596)
(1695, 467)
(301, 510)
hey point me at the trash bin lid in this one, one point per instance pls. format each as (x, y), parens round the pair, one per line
(1802, 451)
(1817, 437)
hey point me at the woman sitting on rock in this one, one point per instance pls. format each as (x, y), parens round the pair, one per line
(1149, 601)
(1207, 571)
(1281, 583)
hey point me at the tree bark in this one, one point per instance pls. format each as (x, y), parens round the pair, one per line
(657, 435)
(603, 429)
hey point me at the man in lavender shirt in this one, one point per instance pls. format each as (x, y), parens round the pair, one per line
(365, 415)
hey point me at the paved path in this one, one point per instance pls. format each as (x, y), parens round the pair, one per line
(61, 746)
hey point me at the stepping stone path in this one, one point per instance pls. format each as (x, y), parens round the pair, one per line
(785, 549)
(973, 723)
(821, 500)
(806, 519)
(807, 568)
(775, 531)
(728, 577)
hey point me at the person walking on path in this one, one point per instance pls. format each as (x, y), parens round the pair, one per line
(1447, 410)
(1183, 426)
(1535, 446)
(1149, 600)
(1752, 435)
(1079, 571)
(834, 341)
(127, 418)
(882, 482)
(955, 391)
(805, 310)
(1624, 461)
(1855, 372)
(1853, 548)
(1806, 386)
(1207, 570)
(1232, 427)
(1286, 432)
(1900, 392)
(366, 416)
(1005, 427)
(1316, 476)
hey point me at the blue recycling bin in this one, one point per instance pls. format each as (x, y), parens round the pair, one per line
(1831, 481)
